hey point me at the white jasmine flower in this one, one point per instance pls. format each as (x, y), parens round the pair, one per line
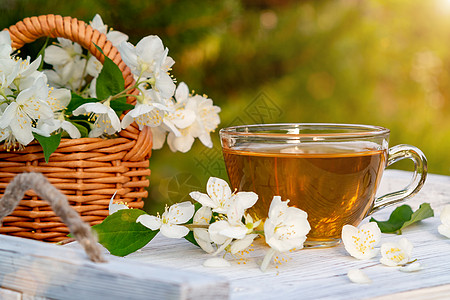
(216, 262)
(358, 276)
(58, 99)
(29, 106)
(360, 243)
(68, 63)
(285, 229)
(219, 195)
(169, 223)
(206, 121)
(396, 254)
(144, 115)
(106, 119)
(70, 75)
(149, 60)
(444, 228)
(62, 53)
(207, 118)
(113, 207)
(146, 57)
(230, 227)
(148, 111)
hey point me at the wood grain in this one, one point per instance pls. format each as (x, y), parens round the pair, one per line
(39, 270)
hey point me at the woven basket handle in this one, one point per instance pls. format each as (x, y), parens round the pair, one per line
(30, 29)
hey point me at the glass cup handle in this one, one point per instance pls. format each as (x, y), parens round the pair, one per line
(397, 153)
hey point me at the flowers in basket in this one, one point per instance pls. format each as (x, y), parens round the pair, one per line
(80, 97)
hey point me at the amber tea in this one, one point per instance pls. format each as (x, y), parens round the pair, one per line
(334, 184)
(331, 171)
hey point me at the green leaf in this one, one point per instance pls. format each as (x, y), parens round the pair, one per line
(121, 235)
(77, 101)
(110, 80)
(423, 212)
(402, 217)
(48, 144)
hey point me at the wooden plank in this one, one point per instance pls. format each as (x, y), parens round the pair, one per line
(56, 272)
(6, 294)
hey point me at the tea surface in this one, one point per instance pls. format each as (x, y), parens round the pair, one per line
(334, 184)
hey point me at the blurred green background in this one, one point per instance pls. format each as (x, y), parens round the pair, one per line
(372, 62)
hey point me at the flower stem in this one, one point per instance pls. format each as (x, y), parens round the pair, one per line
(194, 226)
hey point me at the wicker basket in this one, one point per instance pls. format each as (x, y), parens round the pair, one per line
(87, 170)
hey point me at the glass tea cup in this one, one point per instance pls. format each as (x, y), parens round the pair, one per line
(331, 171)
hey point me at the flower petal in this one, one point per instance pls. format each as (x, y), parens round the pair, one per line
(202, 216)
(246, 199)
(445, 215)
(358, 276)
(219, 192)
(242, 244)
(151, 222)
(412, 267)
(201, 236)
(444, 230)
(216, 262)
(215, 232)
(203, 199)
(180, 213)
(174, 231)
(182, 92)
(71, 129)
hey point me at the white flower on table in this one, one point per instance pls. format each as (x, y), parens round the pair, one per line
(396, 254)
(361, 242)
(169, 222)
(444, 228)
(106, 119)
(285, 229)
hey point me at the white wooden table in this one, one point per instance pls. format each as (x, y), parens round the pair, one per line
(171, 269)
